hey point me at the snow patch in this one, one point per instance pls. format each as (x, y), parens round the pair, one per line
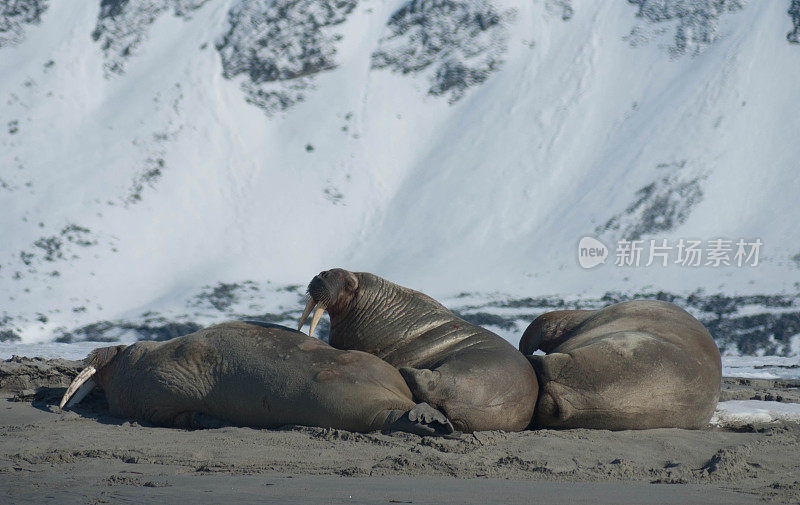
(735, 413)
(762, 367)
(50, 350)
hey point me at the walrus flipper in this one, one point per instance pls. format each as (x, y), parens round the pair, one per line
(422, 420)
(421, 381)
(548, 367)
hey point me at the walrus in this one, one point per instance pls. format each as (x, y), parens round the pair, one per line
(475, 377)
(253, 374)
(632, 365)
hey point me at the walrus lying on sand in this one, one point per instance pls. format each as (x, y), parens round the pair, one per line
(476, 378)
(633, 365)
(253, 374)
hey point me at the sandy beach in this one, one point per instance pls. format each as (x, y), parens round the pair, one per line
(86, 456)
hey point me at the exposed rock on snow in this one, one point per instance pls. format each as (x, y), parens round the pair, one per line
(696, 21)
(278, 45)
(15, 14)
(562, 8)
(458, 43)
(794, 12)
(122, 25)
(660, 206)
(58, 247)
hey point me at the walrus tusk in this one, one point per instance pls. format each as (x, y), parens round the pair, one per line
(80, 387)
(310, 305)
(315, 319)
(81, 393)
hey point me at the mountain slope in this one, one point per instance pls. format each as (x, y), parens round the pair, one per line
(156, 152)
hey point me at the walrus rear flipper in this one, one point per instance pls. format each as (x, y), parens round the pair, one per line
(421, 381)
(422, 420)
(552, 329)
(548, 367)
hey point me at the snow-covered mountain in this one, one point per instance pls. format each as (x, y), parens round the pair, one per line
(168, 163)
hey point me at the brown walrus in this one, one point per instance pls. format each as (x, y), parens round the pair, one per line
(253, 374)
(632, 365)
(476, 378)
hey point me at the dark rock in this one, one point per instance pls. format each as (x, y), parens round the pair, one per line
(461, 40)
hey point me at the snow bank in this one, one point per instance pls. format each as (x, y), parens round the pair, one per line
(737, 412)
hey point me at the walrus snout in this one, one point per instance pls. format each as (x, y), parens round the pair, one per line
(314, 320)
(98, 361)
(319, 294)
(329, 290)
(318, 289)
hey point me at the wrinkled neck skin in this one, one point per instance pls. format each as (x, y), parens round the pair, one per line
(384, 319)
(117, 379)
(104, 376)
(106, 360)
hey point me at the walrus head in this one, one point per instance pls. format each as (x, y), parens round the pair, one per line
(100, 364)
(331, 290)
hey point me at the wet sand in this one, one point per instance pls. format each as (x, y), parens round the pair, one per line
(86, 456)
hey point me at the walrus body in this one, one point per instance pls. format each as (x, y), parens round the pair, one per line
(633, 365)
(476, 378)
(256, 375)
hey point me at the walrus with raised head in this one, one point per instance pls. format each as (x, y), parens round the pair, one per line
(253, 374)
(632, 365)
(476, 378)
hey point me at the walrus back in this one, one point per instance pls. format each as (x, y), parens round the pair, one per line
(477, 378)
(253, 376)
(406, 327)
(633, 365)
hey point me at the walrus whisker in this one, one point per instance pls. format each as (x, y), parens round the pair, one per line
(77, 385)
(309, 306)
(315, 320)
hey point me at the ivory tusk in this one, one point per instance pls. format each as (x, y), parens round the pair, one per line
(306, 312)
(77, 384)
(81, 393)
(317, 315)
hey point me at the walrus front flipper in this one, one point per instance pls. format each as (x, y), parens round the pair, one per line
(422, 420)
(421, 381)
